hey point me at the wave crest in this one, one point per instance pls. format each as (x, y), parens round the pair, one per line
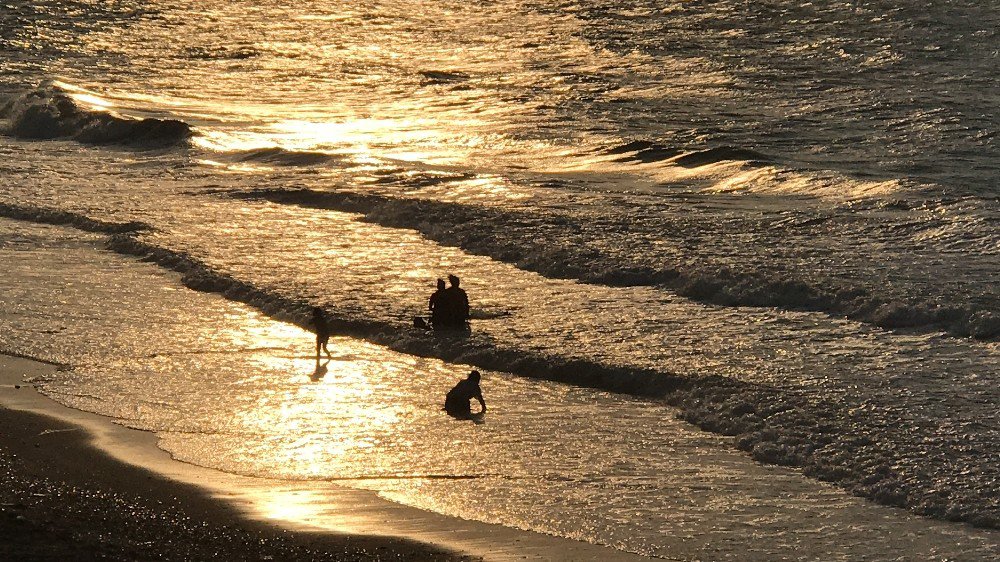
(463, 226)
(50, 112)
(57, 217)
(433, 77)
(646, 152)
(285, 157)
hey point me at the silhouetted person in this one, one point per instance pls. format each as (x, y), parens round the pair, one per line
(461, 299)
(457, 402)
(455, 307)
(436, 304)
(322, 332)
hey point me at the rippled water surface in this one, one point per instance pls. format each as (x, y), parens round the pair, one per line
(777, 222)
(226, 386)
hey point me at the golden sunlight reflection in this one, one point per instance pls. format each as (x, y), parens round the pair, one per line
(411, 137)
(290, 506)
(399, 139)
(302, 506)
(250, 330)
(224, 167)
(224, 141)
(740, 181)
(490, 188)
(356, 131)
(316, 414)
(313, 505)
(92, 100)
(313, 419)
(83, 96)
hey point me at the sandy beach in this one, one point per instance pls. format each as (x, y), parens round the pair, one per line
(78, 487)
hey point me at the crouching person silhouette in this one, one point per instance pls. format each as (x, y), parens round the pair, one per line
(457, 402)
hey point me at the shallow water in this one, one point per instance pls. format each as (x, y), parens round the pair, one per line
(779, 221)
(225, 386)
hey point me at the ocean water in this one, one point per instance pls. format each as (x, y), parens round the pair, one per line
(698, 237)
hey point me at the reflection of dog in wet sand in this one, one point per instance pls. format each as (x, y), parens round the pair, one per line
(320, 371)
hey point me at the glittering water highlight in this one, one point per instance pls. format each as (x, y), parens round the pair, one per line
(778, 222)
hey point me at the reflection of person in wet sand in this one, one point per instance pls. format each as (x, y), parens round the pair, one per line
(457, 402)
(322, 332)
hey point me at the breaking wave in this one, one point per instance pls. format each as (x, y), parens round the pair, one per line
(57, 217)
(520, 238)
(285, 157)
(219, 52)
(51, 112)
(720, 154)
(434, 77)
(646, 152)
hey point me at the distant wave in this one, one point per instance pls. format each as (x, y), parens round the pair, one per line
(850, 447)
(220, 52)
(643, 151)
(284, 157)
(646, 152)
(54, 216)
(416, 180)
(720, 154)
(50, 112)
(513, 237)
(432, 77)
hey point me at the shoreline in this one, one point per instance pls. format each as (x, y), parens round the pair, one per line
(77, 483)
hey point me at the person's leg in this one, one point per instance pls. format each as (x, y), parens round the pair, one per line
(325, 350)
(458, 410)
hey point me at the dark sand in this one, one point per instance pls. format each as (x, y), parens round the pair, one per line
(63, 499)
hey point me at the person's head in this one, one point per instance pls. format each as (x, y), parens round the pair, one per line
(453, 280)
(440, 284)
(317, 312)
(474, 376)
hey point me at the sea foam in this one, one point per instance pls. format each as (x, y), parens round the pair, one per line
(523, 239)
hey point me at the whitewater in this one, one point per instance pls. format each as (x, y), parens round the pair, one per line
(733, 266)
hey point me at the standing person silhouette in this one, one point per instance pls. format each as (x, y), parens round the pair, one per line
(456, 302)
(319, 321)
(457, 401)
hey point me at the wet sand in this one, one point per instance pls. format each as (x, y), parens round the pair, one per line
(78, 487)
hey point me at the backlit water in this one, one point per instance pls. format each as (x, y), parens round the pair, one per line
(775, 221)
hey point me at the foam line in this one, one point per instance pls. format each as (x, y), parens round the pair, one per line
(519, 238)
